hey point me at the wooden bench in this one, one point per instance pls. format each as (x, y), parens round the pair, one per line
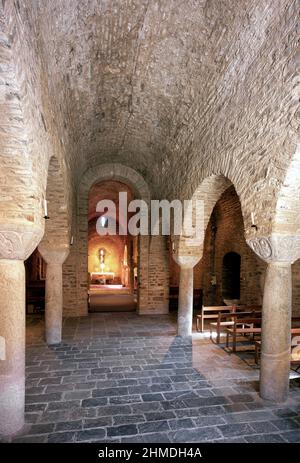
(295, 359)
(226, 320)
(254, 328)
(212, 312)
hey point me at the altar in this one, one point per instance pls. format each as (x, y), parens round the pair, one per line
(102, 277)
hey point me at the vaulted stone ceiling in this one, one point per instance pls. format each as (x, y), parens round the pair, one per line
(169, 87)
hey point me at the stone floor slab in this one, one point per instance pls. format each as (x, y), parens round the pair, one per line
(120, 377)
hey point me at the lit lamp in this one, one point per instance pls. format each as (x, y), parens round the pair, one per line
(173, 247)
(253, 225)
(46, 210)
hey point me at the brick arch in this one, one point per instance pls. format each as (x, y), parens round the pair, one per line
(112, 171)
(209, 191)
(259, 186)
(189, 251)
(225, 234)
(101, 173)
(57, 228)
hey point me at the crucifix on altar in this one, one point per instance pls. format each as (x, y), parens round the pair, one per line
(102, 259)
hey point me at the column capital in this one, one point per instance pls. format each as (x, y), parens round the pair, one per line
(186, 261)
(276, 248)
(19, 240)
(54, 255)
(187, 252)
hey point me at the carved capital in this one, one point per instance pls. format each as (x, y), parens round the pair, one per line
(276, 248)
(54, 255)
(186, 261)
(19, 240)
(187, 252)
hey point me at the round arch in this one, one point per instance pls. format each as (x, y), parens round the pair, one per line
(112, 171)
(57, 227)
(209, 191)
(219, 194)
(101, 173)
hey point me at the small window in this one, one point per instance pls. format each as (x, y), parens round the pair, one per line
(104, 221)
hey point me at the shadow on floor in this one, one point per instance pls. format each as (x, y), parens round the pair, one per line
(120, 377)
(112, 302)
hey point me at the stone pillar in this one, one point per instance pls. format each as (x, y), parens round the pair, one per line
(16, 244)
(186, 285)
(12, 357)
(54, 292)
(279, 251)
(158, 276)
(276, 337)
(185, 302)
(143, 274)
(131, 265)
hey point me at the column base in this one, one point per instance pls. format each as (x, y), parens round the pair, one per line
(274, 376)
(184, 329)
(53, 342)
(12, 405)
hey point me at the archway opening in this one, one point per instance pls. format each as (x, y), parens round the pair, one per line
(231, 270)
(112, 258)
(225, 279)
(55, 214)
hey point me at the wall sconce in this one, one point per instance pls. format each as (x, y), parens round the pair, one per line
(103, 221)
(46, 217)
(72, 240)
(173, 247)
(253, 225)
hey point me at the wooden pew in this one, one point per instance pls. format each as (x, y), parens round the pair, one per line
(295, 359)
(295, 345)
(226, 320)
(254, 328)
(212, 312)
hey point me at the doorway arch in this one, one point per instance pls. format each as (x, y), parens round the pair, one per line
(111, 257)
(98, 174)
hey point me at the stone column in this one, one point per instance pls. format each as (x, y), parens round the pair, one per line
(186, 285)
(158, 276)
(131, 265)
(185, 302)
(143, 275)
(54, 292)
(279, 251)
(12, 357)
(276, 337)
(16, 244)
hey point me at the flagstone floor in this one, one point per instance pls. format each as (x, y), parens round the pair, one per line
(120, 377)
